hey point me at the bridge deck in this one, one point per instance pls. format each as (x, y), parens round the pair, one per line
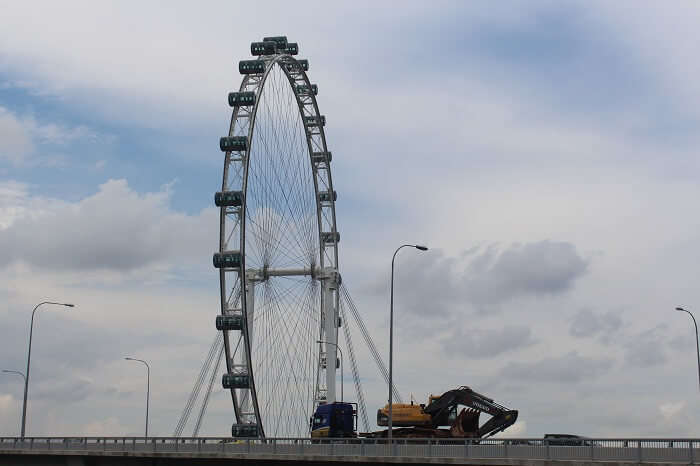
(514, 452)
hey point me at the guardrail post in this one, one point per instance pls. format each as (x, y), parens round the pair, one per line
(592, 452)
(362, 447)
(274, 446)
(692, 453)
(546, 442)
(505, 448)
(466, 448)
(639, 451)
(248, 441)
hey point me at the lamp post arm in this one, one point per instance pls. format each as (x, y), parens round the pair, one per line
(29, 358)
(697, 344)
(148, 387)
(391, 339)
(14, 372)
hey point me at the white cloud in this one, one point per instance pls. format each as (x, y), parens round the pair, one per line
(487, 343)
(21, 137)
(110, 426)
(671, 409)
(15, 138)
(517, 430)
(114, 229)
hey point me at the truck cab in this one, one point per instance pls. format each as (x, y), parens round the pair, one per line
(334, 420)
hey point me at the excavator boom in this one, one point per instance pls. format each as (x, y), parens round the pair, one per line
(447, 403)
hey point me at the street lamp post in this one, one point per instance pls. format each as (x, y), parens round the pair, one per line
(342, 365)
(14, 372)
(29, 355)
(697, 345)
(148, 386)
(391, 334)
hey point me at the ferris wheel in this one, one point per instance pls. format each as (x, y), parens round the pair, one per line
(278, 248)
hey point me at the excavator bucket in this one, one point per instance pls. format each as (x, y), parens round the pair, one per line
(466, 424)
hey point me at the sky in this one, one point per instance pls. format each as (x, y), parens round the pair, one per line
(546, 152)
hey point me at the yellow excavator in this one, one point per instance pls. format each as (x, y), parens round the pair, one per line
(428, 420)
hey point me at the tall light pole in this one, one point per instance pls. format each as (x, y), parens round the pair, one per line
(391, 334)
(341, 364)
(148, 386)
(29, 355)
(697, 345)
(14, 372)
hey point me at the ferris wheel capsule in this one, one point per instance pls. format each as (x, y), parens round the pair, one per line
(263, 48)
(303, 89)
(241, 99)
(251, 66)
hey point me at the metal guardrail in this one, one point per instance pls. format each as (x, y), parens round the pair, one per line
(625, 450)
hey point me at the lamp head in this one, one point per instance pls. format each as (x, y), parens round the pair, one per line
(680, 309)
(129, 359)
(420, 247)
(69, 305)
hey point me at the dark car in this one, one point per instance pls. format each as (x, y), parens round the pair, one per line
(568, 440)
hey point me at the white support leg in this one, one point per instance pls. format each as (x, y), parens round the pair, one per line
(331, 335)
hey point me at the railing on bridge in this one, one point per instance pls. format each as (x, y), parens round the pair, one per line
(627, 450)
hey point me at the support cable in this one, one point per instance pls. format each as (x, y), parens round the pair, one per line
(355, 372)
(368, 340)
(212, 379)
(197, 385)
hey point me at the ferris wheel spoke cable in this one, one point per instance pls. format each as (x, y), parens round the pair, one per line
(295, 260)
(296, 370)
(300, 375)
(286, 336)
(282, 142)
(272, 395)
(272, 232)
(265, 235)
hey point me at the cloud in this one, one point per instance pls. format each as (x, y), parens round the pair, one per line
(467, 342)
(570, 368)
(487, 278)
(517, 430)
(587, 323)
(21, 137)
(6, 403)
(648, 348)
(104, 427)
(671, 409)
(115, 229)
(531, 269)
(15, 138)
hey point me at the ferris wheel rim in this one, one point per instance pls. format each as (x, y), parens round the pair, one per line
(280, 61)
